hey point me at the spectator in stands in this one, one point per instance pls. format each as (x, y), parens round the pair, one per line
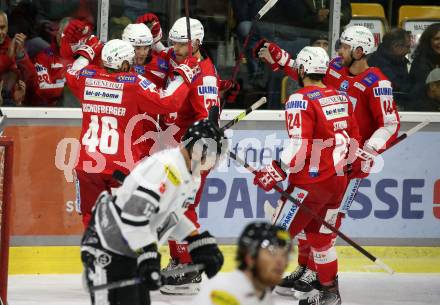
(390, 57)
(426, 58)
(432, 101)
(320, 41)
(13, 89)
(317, 13)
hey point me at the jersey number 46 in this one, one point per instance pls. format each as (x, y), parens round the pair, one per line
(108, 141)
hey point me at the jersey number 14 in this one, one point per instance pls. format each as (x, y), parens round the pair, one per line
(108, 141)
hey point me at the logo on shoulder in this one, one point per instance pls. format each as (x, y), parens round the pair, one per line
(126, 78)
(88, 72)
(313, 95)
(145, 83)
(204, 90)
(383, 91)
(162, 64)
(370, 79)
(139, 69)
(344, 85)
(299, 104)
(337, 64)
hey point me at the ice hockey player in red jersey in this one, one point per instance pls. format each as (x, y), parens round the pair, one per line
(372, 97)
(113, 100)
(321, 127)
(204, 94)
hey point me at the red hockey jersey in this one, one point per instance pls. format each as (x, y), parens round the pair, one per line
(320, 124)
(113, 107)
(371, 94)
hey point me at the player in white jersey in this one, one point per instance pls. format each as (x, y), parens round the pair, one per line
(122, 238)
(262, 256)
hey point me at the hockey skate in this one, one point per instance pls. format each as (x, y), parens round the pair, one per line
(181, 284)
(285, 287)
(305, 286)
(327, 295)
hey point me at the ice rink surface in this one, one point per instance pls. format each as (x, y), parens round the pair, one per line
(356, 289)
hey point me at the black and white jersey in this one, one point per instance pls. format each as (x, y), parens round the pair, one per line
(149, 206)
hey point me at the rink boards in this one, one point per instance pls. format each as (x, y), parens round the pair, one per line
(400, 206)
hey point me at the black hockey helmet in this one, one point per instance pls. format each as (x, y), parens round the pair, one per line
(207, 133)
(257, 235)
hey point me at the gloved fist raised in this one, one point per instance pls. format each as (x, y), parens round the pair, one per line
(269, 176)
(90, 49)
(204, 250)
(188, 69)
(153, 23)
(77, 30)
(149, 266)
(272, 54)
(230, 89)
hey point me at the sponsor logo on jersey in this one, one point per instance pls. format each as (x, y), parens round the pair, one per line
(336, 111)
(93, 82)
(57, 65)
(334, 73)
(173, 175)
(88, 73)
(313, 172)
(359, 86)
(370, 79)
(103, 260)
(302, 104)
(103, 95)
(162, 64)
(204, 90)
(313, 95)
(126, 78)
(340, 125)
(139, 69)
(145, 83)
(344, 85)
(40, 68)
(337, 64)
(334, 99)
(383, 91)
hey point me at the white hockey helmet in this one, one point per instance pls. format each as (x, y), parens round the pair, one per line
(115, 52)
(137, 34)
(179, 33)
(313, 59)
(358, 36)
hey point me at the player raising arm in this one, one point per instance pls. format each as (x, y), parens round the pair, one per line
(112, 100)
(320, 125)
(123, 237)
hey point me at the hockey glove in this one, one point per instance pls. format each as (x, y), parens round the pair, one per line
(91, 49)
(274, 55)
(230, 89)
(188, 69)
(269, 176)
(76, 30)
(149, 266)
(204, 250)
(153, 23)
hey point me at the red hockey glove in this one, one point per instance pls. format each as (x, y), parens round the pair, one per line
(91, 49)
(258, 47)
(274, 55)
(77, 30)
(153, 23)
(230, 89)
(269, 176)
(188, 69)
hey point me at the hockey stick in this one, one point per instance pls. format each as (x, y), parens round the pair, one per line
(188, 27)
(3, 119)
(353, 187)
(243, 114)
(137, 280)
(371, 257)
(269, 4)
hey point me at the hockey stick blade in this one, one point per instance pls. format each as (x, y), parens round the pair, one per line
(315, 216)
(384, 266)
(269, 4)
(137, 280)
(243, 114)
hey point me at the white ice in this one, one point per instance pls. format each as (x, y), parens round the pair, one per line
(356, 289)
